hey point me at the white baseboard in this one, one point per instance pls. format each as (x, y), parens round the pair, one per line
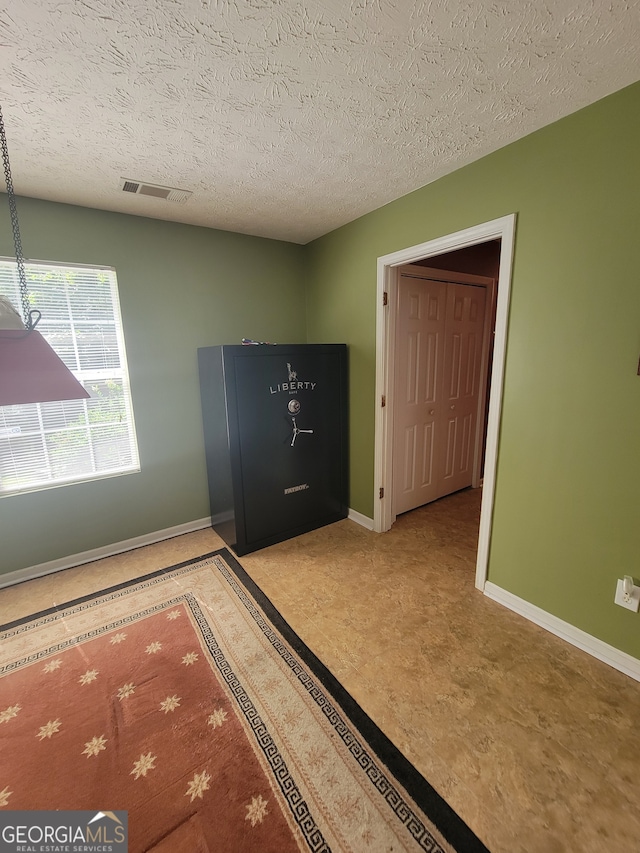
(592, 645)
(80, 559)
(361, 519)
(72, 560)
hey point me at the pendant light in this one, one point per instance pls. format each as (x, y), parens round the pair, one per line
(30, 371)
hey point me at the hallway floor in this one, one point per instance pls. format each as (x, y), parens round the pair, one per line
(533, 742)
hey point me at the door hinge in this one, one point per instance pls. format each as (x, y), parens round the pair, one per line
(384, 401)
(385, 298)
(381, 492)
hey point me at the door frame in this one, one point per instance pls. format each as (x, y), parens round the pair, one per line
(504, 230)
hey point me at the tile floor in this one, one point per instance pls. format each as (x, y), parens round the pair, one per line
(533, 742)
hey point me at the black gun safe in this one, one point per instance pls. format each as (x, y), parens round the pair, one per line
(276, 439)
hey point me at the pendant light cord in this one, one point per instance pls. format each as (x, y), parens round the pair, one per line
(28, 314)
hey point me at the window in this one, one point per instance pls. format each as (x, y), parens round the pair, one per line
(52, 444)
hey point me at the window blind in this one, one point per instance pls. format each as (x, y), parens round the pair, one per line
(51, 444)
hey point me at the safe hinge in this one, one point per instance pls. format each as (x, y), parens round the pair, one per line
(385, 298)
(381, 492)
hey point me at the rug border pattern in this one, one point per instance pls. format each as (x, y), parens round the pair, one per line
(13, 666)
(288, 787)
(405, 814)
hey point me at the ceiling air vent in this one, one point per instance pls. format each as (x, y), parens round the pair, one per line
(154, 190)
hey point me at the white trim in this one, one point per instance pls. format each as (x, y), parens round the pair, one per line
(591, 645)
(12, 260)
(42, 569)
(72, 560)
(361, 519)
(504, 230)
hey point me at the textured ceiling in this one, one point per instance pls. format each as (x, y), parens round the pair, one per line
(287, 119)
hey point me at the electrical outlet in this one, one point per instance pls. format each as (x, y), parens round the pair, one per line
(634, 597)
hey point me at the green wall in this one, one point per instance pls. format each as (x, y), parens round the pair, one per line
(568, 483)
(180, 288)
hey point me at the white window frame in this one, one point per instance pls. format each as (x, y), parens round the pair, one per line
(89, 377)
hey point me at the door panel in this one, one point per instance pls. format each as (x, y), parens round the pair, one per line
(437, 376)
(418, 381)
(409, 467)
(464, 324)
(428, 454)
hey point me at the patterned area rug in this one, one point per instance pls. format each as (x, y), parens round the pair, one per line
(185, 699)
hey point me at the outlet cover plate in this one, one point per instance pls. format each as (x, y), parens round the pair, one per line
(634, 601)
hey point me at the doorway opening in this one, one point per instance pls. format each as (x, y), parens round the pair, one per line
(481, 244)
